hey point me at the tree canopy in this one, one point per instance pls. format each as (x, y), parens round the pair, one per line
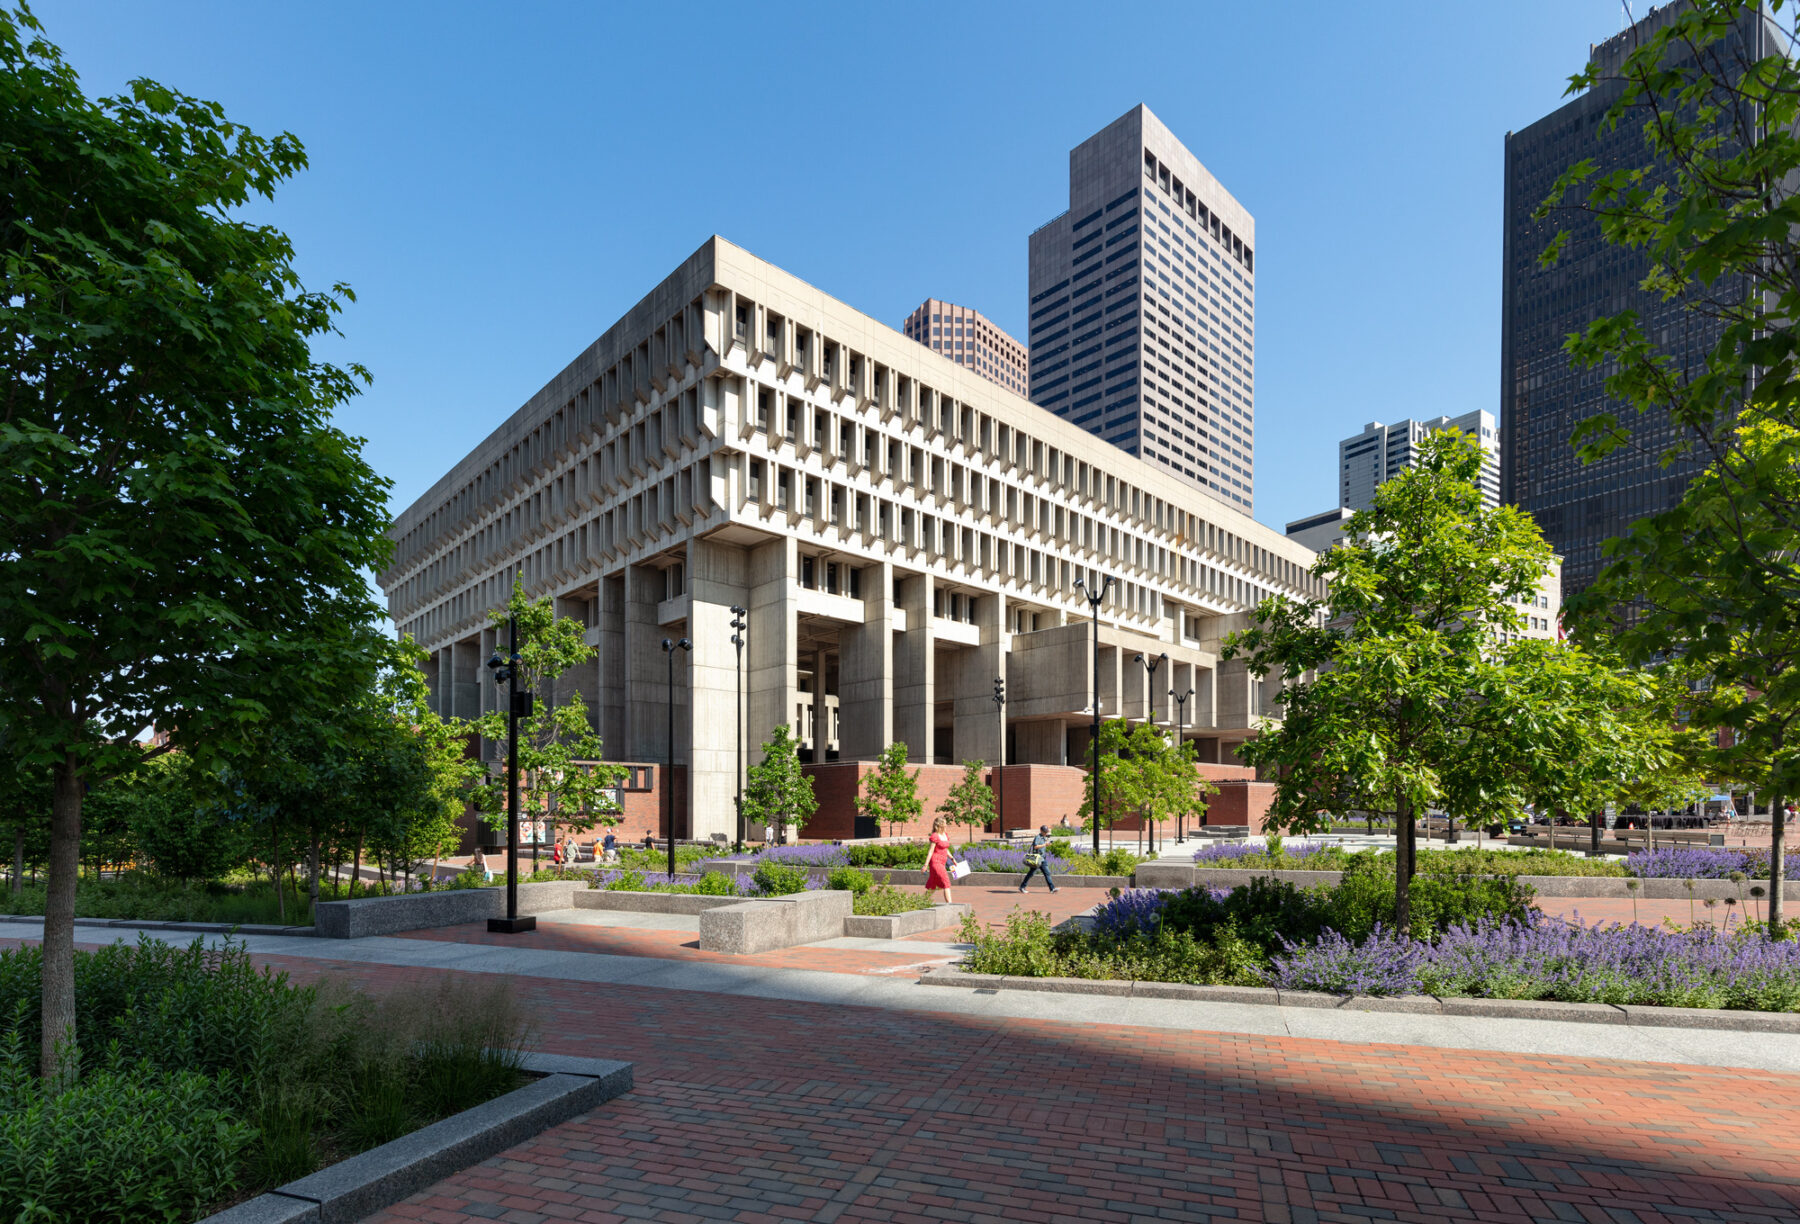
(187, 532)
(1707, 589)
(1406, 688)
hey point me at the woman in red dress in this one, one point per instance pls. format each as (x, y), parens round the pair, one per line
(937, 862)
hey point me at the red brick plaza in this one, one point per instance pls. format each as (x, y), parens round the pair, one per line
(760, 1111)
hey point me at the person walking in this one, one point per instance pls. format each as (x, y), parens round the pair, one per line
(481, 864)
(556, 853)
(610, 847)
(937, 861)
(1037, 859)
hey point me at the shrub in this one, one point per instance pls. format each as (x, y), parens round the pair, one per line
(885, 854)
(850, 879)
(886, 899)
(1481, 861)
(718, 884)
(775, 880)
(1382, 964)
(123, 1144)
(1705, 863)
(1364, 899)
(201, 1074)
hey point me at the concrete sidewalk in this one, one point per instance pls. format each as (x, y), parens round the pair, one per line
(898, 990)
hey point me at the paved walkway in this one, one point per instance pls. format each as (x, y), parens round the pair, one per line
(769, 1093)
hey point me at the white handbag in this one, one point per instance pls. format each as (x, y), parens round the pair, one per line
(959, 869)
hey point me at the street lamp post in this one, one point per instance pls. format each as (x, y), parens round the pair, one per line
(739, 624)
(517, 703)
(1150, 666)
(1095, 599)
(1181, 701)
(1000, 770)
(669, 648)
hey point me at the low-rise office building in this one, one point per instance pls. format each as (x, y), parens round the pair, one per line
(901, 531)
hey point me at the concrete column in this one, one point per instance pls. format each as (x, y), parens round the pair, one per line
(609, 694)
(977, 722)
(1041, 742)
(818, 726)
(1202, 710)
(866, 671)
(1233, 699)
(772, 657)
(466, 673)
(645, 672)
(914, 661)
(715, 581)
(442, 667)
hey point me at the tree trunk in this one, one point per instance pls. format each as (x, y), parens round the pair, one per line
(275, 874)
(356, 863)
(60, 1052)
(1594, 820)
(1403, 865)
(312, 873)
(18, 866)
(1777, 863)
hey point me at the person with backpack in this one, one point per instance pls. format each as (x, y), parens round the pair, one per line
(1037, 859)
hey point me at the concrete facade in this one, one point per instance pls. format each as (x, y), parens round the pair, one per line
(1143, 308)
(901, 530)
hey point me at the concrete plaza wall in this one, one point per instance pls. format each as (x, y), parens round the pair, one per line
(774, 922)
(367, 916)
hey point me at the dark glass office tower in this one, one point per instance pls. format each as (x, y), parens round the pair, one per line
(1542, 395)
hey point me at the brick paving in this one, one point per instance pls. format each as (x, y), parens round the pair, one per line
(759, 1110)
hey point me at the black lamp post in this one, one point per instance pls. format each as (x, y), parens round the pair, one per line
(517, 703)
(669, 648)
(1000, 770)
(1095, 599)
(739, 624)
(1181, 700)
(1150, 666)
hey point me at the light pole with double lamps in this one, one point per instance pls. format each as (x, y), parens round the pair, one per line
(517, 703)
(739, 625)
(669, 648)
(1150, 665)
(1095, 599)
(1181, 700)
(1000, 769)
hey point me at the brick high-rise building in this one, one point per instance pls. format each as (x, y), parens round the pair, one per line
(970, 339)
(1143, 308)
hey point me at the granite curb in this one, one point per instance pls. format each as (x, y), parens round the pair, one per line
(367, 1182)
(1419, 1005)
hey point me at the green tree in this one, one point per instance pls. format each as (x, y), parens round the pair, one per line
(777, 793)
(1713, 581)
(1389, 678)
(560, 772)
(186, 532)
(1121, 783)
(970, 801)
(189, 835)
(1172, 782)
(890, 795)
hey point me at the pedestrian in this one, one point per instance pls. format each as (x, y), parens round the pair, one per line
(610, 847)
(937, 861)
(556, 852)
(1037, 859)
(481, 864)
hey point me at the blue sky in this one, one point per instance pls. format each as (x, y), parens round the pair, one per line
(500, 182)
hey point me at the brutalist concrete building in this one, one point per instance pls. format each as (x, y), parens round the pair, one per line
(1143, 308)
(902, 531)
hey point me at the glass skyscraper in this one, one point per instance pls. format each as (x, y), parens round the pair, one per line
(1143, 308)
(1542, 395)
